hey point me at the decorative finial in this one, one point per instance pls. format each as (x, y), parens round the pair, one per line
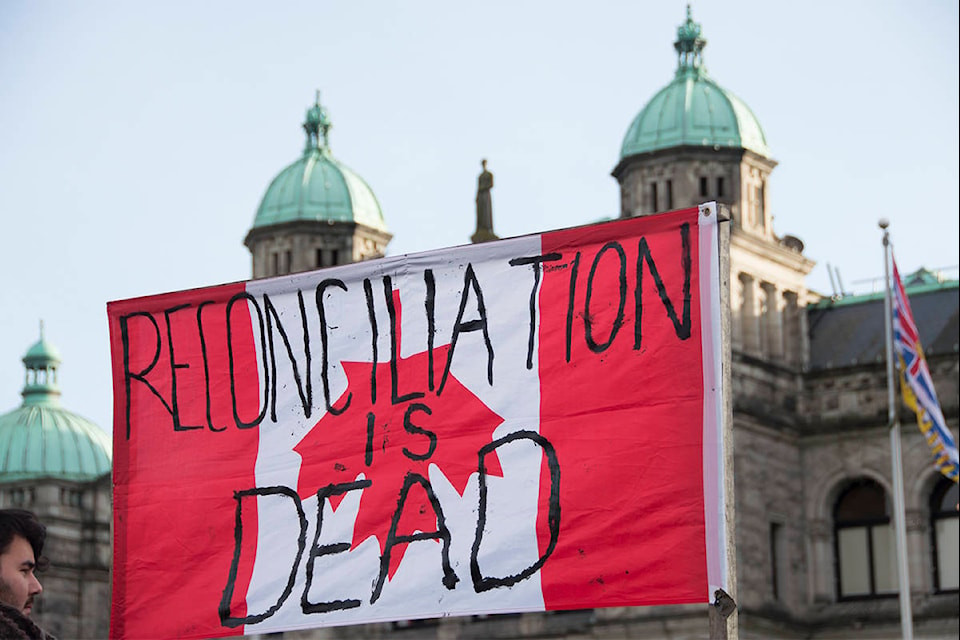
(41, 361)
(689, 45)
(317, 125)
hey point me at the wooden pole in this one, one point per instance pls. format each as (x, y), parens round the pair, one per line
(724, 616)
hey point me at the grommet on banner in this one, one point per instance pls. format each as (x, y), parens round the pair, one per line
(724, 603)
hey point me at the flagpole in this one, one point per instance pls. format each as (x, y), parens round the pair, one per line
(906, 615)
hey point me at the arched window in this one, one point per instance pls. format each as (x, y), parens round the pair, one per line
(945, 530)
(864, 541)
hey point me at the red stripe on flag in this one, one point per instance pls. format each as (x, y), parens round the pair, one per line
(180, 460)
(622, 401)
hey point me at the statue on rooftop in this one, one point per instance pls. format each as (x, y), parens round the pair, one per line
(484, 230)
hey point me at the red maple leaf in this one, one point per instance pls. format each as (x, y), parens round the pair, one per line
(386, 432)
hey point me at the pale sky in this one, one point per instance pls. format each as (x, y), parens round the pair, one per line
(136, 139)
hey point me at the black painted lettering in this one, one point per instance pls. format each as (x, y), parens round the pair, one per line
(470, 283)
(318, 551)
(681, 327)
(372, 317)
(206, 365)
(573, 292)
(274, 325)
(368, 452)
(593, 345)
(395, 396)
(483, 583)
(228, 620)
(429, 304)
(141, 375)
(174, 365)
(411, 428)
(535, 262)
(442, 533)
(248, 300)
(325, 346)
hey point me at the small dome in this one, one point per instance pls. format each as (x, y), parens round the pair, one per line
(43, 440)
(317, 187)
(693, 110)
(41, 352)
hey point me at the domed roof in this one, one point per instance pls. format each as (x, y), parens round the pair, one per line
(317, 187)
(693, 109)
(41, 352)
(43, 440)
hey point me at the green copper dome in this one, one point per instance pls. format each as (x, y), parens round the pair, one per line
(41, 353)
(317, 187)
(693, 110)
(43, 440)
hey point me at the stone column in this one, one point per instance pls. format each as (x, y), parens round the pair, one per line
(821, 561)
(737, 314)
(792, 338)
(772, 323)
(918, 551)
(749, 320)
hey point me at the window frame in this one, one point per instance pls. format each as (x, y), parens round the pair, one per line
(937, 495)
(869, 524)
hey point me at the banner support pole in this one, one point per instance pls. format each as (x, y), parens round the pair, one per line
(903, 575)
(724, 614)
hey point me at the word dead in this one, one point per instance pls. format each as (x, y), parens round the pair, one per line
(317, 552)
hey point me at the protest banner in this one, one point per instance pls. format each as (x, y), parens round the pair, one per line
(523, 425)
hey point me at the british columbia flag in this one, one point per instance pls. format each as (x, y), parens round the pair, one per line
(916, 385)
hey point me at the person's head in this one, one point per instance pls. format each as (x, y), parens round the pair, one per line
(21, 543)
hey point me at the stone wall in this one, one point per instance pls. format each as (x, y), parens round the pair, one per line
(76, 586)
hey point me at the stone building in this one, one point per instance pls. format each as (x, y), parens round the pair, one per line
(316, 212)
(849, 576)
(815, 548)
(57, 464)
(814, 541)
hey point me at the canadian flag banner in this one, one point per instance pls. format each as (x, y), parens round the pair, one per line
(523, 425)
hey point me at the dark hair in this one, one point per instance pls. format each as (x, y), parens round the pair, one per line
(23, 523)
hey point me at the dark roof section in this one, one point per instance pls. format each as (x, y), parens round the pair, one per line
(850, 331)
